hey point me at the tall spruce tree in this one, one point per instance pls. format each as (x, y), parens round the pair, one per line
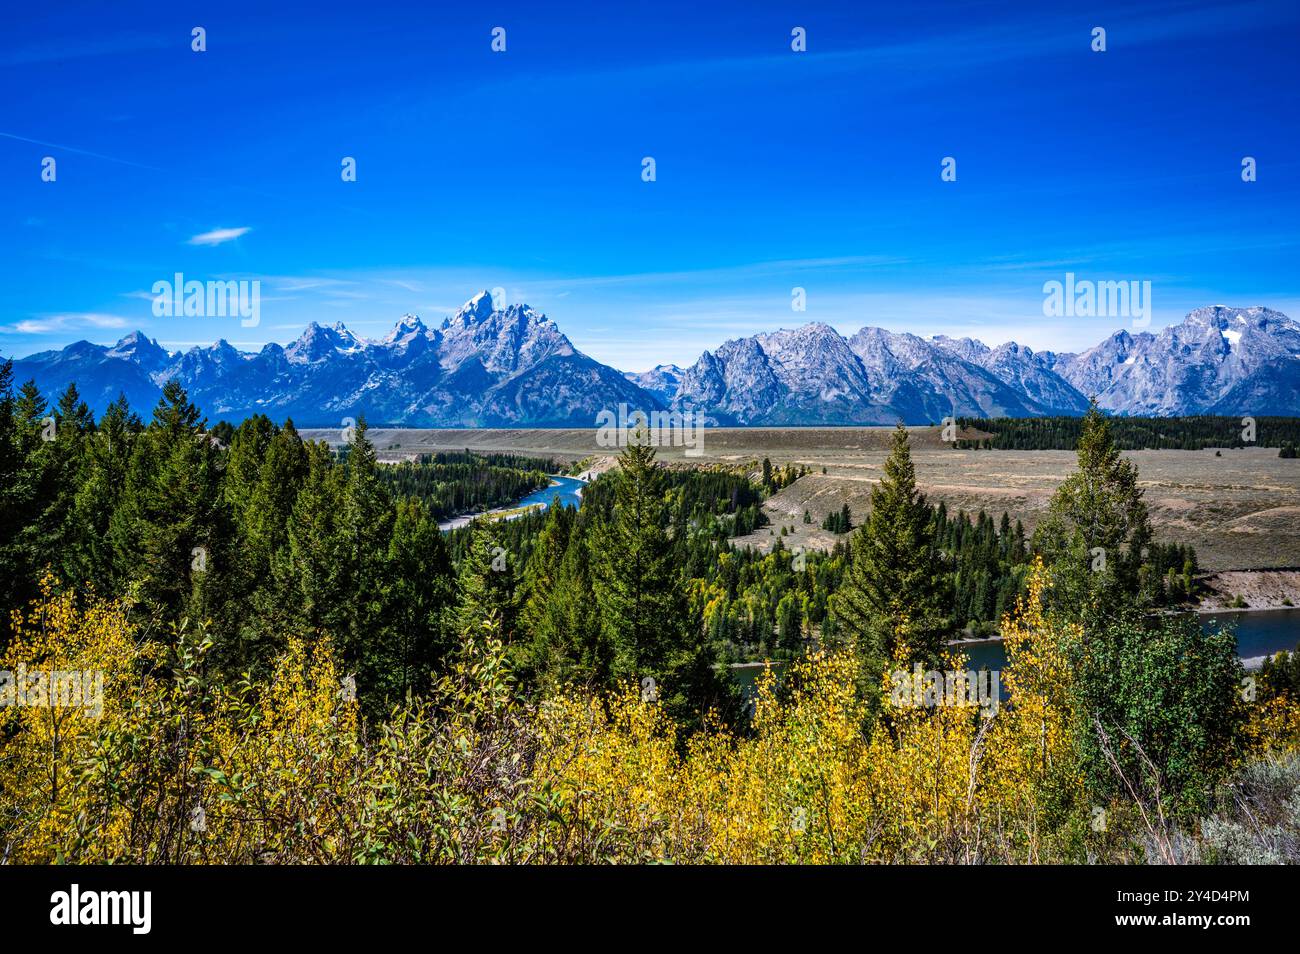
(897, 585)
(568, 627)
(418, 592)
(365, 527)
(283, 470)
(31, 491)
(1095, 537)
(643, 617)
(634, 574)
(307, 568)
(168, 534)
(262, 481)
(14, 582)
(542, 628)
(486, 586)
(106, 460)
(244, 457)
(75, 425)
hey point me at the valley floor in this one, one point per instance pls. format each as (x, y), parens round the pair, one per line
(1240, 510)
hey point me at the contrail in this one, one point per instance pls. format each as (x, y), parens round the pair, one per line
(83, 152)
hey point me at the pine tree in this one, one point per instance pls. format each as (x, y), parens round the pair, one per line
(419, 589)
(897, 586)
(14, 581)
(54, 528)
(637, 586)
(33, 490)
(168, 534)
(262, 481)
(542, 628)
(485, 585)
(307, 570)
(789, 628)
(283, 470)
(633, 569)
(364, 527)
(106, 461)
(1097, 529)
(247, 449)
(569, 629)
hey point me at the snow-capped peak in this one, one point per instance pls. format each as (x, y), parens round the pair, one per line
(476, 309)
(318, 342)
(347, 339)
(134, 339)
(408, 326)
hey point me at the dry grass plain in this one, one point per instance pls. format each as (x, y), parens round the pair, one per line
(1240, 510)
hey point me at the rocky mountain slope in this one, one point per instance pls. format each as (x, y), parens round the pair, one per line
(484, 367)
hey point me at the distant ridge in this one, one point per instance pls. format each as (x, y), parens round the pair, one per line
(512, 367)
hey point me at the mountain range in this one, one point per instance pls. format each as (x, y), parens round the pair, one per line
(513, 367)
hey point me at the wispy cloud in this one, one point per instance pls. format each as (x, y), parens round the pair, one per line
(218, 236)
(295, 283)
(64, 48)
(406, 286)
(44, 324)
(949, 51)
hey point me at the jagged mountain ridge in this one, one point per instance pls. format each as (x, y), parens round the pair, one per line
(480, 368)
(511, 367)
(1218, 360)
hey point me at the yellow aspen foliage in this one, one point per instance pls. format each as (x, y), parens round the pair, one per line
(172, 765)
(1029, 750)
(928, 783)
(1273, 726)
(72, 672)
(169, 768)
(278, 777)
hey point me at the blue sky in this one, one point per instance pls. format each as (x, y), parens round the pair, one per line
(522, 169)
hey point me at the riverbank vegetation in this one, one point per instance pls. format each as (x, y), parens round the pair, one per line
(451, 484)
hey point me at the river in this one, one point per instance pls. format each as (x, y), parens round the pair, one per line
(1260, 633)
(568, 489)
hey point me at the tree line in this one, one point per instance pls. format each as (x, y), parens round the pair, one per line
(1193, 432)
(269, 538)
